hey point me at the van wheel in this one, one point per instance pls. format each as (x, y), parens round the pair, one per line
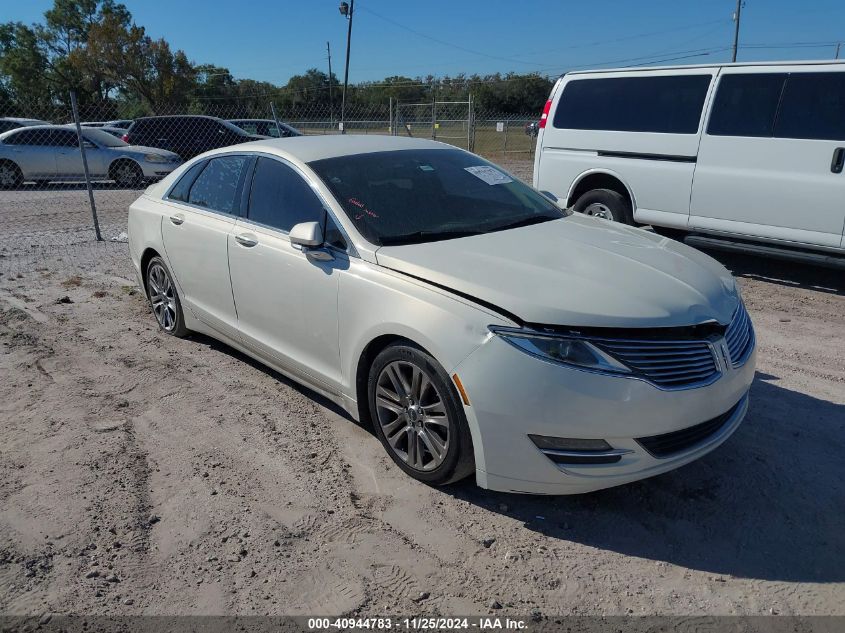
(606, 204)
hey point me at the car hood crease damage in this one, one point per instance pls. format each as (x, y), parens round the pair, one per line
(577, 272)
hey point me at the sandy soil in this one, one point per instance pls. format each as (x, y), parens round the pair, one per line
(144, 474)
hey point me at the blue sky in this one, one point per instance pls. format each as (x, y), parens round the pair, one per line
(274, 39)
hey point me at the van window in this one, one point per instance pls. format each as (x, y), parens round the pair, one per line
(746, 104)
(668, 104)
(813, 107)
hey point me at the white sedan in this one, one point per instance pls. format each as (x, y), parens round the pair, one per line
(479, 328)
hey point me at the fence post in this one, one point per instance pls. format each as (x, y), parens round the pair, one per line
(505, 148)
(390, 124)
(470, 126)
(276, 119)
(85, 165)
(433, 112)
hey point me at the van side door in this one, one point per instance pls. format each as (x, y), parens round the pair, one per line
(770, 160)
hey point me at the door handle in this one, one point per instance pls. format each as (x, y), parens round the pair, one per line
(177, 219)
(245, 239)
(838, 161)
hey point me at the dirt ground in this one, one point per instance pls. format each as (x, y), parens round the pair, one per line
(145, 474)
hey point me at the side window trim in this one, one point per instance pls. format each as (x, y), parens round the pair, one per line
(328, 213)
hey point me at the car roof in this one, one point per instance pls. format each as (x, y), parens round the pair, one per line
(641, 69)
(18, 119)
(310, 148)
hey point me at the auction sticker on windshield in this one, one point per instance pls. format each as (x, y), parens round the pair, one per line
(490, 175)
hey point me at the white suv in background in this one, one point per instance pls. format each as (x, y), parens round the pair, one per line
(744, 156)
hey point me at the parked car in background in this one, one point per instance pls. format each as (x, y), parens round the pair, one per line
(266, 127)
(186, 135)
(480, 328)
(13, 123)
(51, 153)
(120, 123)
(117, 132)
(742, 156)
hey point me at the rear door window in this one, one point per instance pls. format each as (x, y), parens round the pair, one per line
(216, 188)
(35, 136)
(667, 103)
(746, 104)
(812, 107)
(181, 189)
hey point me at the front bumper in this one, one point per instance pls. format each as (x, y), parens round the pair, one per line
(156, 171)
(513, 395)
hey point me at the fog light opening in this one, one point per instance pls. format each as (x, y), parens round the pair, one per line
(572, 450)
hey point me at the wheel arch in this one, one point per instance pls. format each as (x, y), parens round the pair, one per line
(362, 369)
(600, 178)
(146, 256)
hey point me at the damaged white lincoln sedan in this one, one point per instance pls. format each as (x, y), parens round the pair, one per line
(479, 328)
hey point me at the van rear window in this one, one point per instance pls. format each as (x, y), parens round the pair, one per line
(668, 103)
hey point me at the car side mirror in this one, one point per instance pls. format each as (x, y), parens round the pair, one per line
(307, 234)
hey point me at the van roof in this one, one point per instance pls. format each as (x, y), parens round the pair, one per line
(638, 69)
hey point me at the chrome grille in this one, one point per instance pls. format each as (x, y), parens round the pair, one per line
(668, 364)
(740, 337)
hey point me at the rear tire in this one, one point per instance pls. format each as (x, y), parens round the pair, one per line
(11, 176)
(418, 416)
(607, 204)
(164, 299)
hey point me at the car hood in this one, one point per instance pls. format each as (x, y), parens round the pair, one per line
(577, 271)
(143, 149)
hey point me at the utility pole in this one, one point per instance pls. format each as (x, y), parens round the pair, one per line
(736, 28)
(331, 98)
(346, 10)
(838, 45)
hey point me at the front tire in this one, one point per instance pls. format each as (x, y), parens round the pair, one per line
(164, 299)
(606, 204)
(127, 173)
(418, 417)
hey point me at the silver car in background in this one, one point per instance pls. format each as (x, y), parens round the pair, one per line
(48, 153)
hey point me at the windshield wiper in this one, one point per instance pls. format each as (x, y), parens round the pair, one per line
(418, 237)
(534, 219)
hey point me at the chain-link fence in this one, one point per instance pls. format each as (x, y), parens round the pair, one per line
(68, 176)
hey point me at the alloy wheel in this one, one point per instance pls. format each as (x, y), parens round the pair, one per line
(8, 176)
(412, 415)
(162, 296)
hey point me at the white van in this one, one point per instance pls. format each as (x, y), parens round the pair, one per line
(739, 156)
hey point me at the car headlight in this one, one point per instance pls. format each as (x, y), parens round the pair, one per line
(565, 350)
(156, 158)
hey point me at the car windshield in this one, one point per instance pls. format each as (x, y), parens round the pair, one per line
(412, 196)
(101, 137)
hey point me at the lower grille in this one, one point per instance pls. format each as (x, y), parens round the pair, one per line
(669, 444)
